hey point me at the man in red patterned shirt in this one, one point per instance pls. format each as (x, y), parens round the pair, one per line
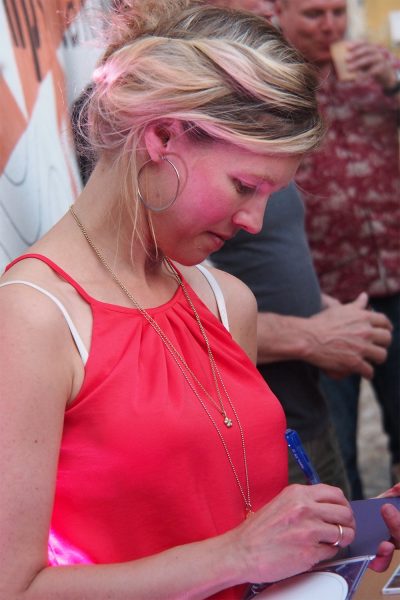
(351, 187)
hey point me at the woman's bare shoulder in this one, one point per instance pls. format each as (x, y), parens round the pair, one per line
(240, 304)
(230, 285)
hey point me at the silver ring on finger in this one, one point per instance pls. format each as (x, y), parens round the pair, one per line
(340, 536)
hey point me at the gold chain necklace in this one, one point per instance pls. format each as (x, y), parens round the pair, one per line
(182, 364)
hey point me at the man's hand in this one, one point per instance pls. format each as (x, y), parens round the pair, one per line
(369, 60)
(347, 338)
(391, 516)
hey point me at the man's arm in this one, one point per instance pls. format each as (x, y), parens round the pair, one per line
(342, 339)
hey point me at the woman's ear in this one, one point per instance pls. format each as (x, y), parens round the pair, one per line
(159, 137)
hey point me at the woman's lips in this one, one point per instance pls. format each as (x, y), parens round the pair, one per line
(219, 239)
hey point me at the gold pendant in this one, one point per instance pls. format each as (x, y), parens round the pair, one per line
(228, 421)
(249, 511)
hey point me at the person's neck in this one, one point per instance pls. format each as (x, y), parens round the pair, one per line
(323, 68)
(104, 214)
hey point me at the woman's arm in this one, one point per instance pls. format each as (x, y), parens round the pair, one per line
(37, 377)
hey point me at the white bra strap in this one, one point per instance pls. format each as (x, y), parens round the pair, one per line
(219, 296)
(75, 335)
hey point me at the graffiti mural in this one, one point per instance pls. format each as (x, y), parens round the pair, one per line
(47, 54)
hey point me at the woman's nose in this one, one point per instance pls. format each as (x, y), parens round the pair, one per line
(250, 217)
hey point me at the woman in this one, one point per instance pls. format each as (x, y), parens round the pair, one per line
(136, 427)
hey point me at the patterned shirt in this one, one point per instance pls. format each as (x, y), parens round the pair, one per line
(351, 187)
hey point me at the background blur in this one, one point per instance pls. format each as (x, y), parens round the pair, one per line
(47, 54)
(374, 459)
(376, 20)
(383, 22)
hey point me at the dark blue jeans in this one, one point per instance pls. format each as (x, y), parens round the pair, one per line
(342, 396)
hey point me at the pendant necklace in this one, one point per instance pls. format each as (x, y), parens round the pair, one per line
(186, 371)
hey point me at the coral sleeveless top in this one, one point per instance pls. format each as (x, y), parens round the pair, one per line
(141, 466)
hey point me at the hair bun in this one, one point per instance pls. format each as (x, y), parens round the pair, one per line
(129, 19)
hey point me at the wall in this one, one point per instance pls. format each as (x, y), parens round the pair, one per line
(375, 20)
(46, 57)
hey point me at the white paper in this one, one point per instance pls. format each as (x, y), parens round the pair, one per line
(308, 586)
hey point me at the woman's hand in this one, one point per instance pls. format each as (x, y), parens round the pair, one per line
(293, 532)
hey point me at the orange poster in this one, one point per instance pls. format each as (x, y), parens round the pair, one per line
(42, 45)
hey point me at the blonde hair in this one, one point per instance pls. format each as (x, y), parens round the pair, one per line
(227, 75)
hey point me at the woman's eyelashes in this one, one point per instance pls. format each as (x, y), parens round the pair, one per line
(243, 189)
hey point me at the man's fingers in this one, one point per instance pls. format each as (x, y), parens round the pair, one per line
(361, 300)
(383, 557)
(366, 370)
(381, 337)
(380, 320)
(375, 354)
(391, 516)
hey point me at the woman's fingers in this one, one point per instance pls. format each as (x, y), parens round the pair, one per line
(336, 535)
(302, 526)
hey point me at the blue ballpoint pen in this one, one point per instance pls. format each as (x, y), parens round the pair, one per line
(301, 457)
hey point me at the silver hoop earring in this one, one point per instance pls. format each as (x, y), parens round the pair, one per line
(139, 192)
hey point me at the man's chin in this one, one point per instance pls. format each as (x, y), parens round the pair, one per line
(322, 60)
